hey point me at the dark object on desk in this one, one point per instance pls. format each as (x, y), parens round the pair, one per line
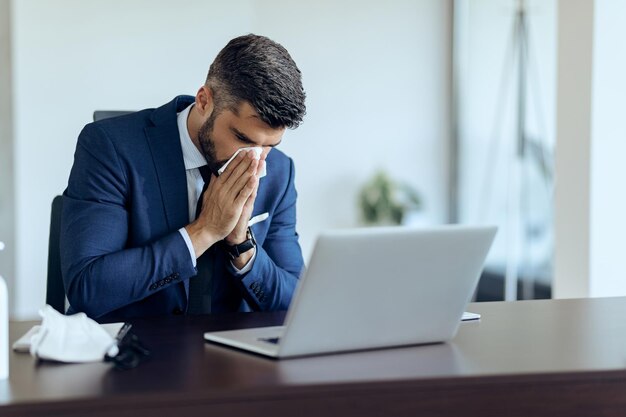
(55, 291)
(131, 351)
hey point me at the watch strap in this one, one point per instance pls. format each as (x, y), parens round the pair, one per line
(234, 251)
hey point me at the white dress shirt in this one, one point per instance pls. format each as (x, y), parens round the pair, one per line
(193, 160)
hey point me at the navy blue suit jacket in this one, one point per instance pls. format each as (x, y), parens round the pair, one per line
(121, 252)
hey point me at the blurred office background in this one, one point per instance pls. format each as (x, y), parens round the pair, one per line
(505, 74)
(427, 91)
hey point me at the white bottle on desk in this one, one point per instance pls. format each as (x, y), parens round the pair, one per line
(4, 327)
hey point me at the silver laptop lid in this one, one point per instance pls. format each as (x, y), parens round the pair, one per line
(379, 287)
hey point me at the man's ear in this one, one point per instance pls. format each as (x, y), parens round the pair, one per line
(204, 101)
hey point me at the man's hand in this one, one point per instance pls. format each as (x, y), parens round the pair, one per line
(239, 233)
(224, 202)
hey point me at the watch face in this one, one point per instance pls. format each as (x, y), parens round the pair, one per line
(251, 236)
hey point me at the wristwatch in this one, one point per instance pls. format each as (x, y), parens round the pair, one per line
(235, 250)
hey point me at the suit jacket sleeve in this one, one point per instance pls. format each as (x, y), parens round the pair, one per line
(272, 281)
(100, 273)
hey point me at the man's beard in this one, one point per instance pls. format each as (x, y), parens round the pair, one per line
(208, 145)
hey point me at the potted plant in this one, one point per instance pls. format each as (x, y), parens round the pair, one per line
(383, 201)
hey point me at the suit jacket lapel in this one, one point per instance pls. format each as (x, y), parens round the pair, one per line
(164, 142)
(170, 168)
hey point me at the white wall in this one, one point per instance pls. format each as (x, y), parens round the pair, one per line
(590, 212)
(573, 147)
(7, 229)
(608, 171)
(376, 74)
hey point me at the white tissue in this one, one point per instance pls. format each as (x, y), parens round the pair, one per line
(257, 150)
(71, 339)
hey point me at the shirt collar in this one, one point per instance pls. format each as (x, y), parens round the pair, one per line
(192, 157)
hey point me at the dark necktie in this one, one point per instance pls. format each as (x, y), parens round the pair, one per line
(200, 286)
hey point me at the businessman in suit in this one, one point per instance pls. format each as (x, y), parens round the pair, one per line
(149, 227)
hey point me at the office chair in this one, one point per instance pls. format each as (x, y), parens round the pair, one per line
(55, 290)
(107, 114)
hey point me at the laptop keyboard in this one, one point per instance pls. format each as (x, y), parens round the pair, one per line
(274, 340)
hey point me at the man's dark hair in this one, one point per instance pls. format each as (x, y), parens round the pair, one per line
(258, 70)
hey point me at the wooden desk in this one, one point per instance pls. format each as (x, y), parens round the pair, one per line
(529, 358)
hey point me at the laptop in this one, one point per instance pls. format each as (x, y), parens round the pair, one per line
(375, 288)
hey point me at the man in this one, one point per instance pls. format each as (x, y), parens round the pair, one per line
(149, 225)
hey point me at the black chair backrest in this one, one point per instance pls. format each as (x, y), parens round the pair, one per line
(107, 114)
(55, 291)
